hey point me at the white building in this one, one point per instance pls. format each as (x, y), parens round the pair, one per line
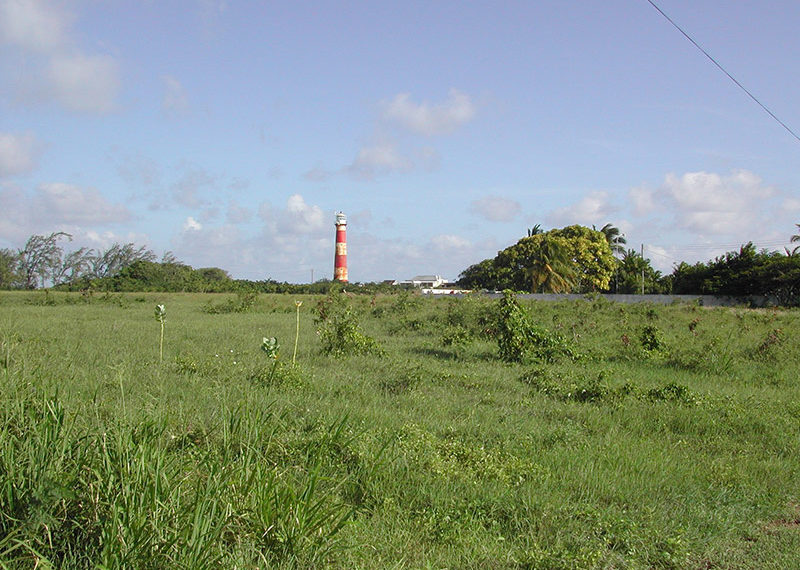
(427, 281)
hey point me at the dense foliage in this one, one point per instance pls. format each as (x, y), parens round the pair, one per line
(573, 259)
(570, 259)
(743, 272)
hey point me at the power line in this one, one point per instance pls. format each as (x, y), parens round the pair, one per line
(731, 77)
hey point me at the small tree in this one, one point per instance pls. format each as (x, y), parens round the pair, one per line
(111, 261)
(9, 274)
(41, 259)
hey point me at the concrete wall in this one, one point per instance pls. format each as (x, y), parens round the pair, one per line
(704, 300)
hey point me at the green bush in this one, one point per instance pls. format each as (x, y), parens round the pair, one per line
(338, 328)
(519, 339)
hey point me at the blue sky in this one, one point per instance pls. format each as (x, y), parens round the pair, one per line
(231, 132)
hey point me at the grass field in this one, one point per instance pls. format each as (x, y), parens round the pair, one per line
(659, 437)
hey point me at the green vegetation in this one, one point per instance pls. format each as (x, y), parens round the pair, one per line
(620, 437)
(574, 258)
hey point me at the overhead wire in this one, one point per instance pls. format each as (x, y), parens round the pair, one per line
(725, 71)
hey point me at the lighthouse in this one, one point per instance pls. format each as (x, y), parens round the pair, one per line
(340, 258)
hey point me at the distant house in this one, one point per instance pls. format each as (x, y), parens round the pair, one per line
(426, 281)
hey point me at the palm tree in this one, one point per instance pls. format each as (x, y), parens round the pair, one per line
(616, 241)
(795, 238)
(551, 268)
(535, 230)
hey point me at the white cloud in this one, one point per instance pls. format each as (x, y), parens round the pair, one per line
(18, 154)
(300, 217)
(175, 100)
(192, 225)
(427, 119)
(449, 243)
(237, 214)
(593, 209)
(86, 83)
(33, 25)
(56, 68)
(379, 159)
(710, 203)
(71, 204)
(696, 216)
(187, 191)
(496, 208)
(55, 207)
(643, 200)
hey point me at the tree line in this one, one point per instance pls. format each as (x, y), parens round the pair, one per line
(43, 263)
(578, 259)
(573, 259)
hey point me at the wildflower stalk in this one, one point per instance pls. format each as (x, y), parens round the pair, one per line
(297, 329)
(161, 316)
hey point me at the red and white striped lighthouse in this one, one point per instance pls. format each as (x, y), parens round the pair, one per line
(340, 258)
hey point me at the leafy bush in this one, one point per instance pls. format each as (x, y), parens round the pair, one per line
(518, 338)
(338, 328)
(652, 340)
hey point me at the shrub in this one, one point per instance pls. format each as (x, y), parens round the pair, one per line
(652, 340)
(518, 338)
(244, 301)
(338, 328)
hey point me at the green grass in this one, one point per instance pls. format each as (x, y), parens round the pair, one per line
(669, 441)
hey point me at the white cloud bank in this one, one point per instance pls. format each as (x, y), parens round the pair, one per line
(428, 119)
(18, 154)
(496, 208)
(694, 216)
(58, 70)
(55, 206)
(590, 210)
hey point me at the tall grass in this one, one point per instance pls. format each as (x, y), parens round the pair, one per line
(671, 449)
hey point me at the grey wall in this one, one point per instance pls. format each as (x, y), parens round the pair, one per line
(704, 300)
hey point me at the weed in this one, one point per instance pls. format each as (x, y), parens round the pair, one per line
(768, 347)
(519, 339)
(161, 317)
(297, 305)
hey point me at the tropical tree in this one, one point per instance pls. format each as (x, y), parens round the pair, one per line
(631, 271)
(591, 255)
(41, 258)
(574, 258)
(535, 230)
(72, 266)
(616, 241)
(540, 263)
(551, 269)
(795, 239)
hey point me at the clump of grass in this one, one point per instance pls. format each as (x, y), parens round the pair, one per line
(242, 303)
(276, 373)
